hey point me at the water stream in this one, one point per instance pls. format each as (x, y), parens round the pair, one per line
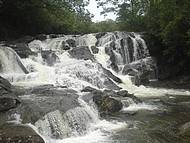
(156, 120)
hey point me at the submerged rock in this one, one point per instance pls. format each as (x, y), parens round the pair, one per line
(13, 133)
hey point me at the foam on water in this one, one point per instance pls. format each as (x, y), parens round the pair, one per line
(140, 106)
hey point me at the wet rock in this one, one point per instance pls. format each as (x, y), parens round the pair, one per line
(41, 37)
(11, 133)
(65, 46)
(44, 99)
(88, 89)
(4, 85)
(128, 70)
(94, 50)
(21, 49)
(132, 34)
(53, 36)
(111, 85)
(142, 71)
(7, 103)
(81, 53)
(71, 42)
(107, 105)
(9, 60)
(110, 75)
(130, 49)
(25, 39)
(8, 100)
(50, 57)
(99, 35)
(185, 127)
(124, 93)
(109, 50)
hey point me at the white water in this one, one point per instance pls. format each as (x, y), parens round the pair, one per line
(82, 124)
(140, 106)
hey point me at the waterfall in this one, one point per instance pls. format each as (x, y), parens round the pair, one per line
(74, 122)
(10, 61)
(123, 55)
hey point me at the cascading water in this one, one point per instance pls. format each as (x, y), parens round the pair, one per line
(121, 53)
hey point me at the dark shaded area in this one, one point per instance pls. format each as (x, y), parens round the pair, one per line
(19, 18)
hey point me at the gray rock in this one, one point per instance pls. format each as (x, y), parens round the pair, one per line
(14, 133)
(128, 70)
(130, 49)
(124, 93)
(44, 99)
(21, 49)
(13, 61)
(65, 46)
(8, 100)
(53, 36)
(50, 57)
(107, 105)
(41, 37)
(81, 53)
(71, 42)
(142, 71)
(110, 75)
(94, 50)
(88, 89)
(4, 85)
(99, 35)
(7, 103)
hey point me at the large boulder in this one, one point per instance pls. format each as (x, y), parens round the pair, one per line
(13, 133)
(142, 70)
(107, 105)
(40, 100)
(21, 46)
(21, 49)
(81, 53)
(10, 62)
(7, 103)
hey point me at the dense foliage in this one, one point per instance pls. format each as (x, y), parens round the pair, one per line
(22, 17)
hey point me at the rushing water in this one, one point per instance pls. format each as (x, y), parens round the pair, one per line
(134, 124)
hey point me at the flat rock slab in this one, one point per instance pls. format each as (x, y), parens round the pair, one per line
(11, 133)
